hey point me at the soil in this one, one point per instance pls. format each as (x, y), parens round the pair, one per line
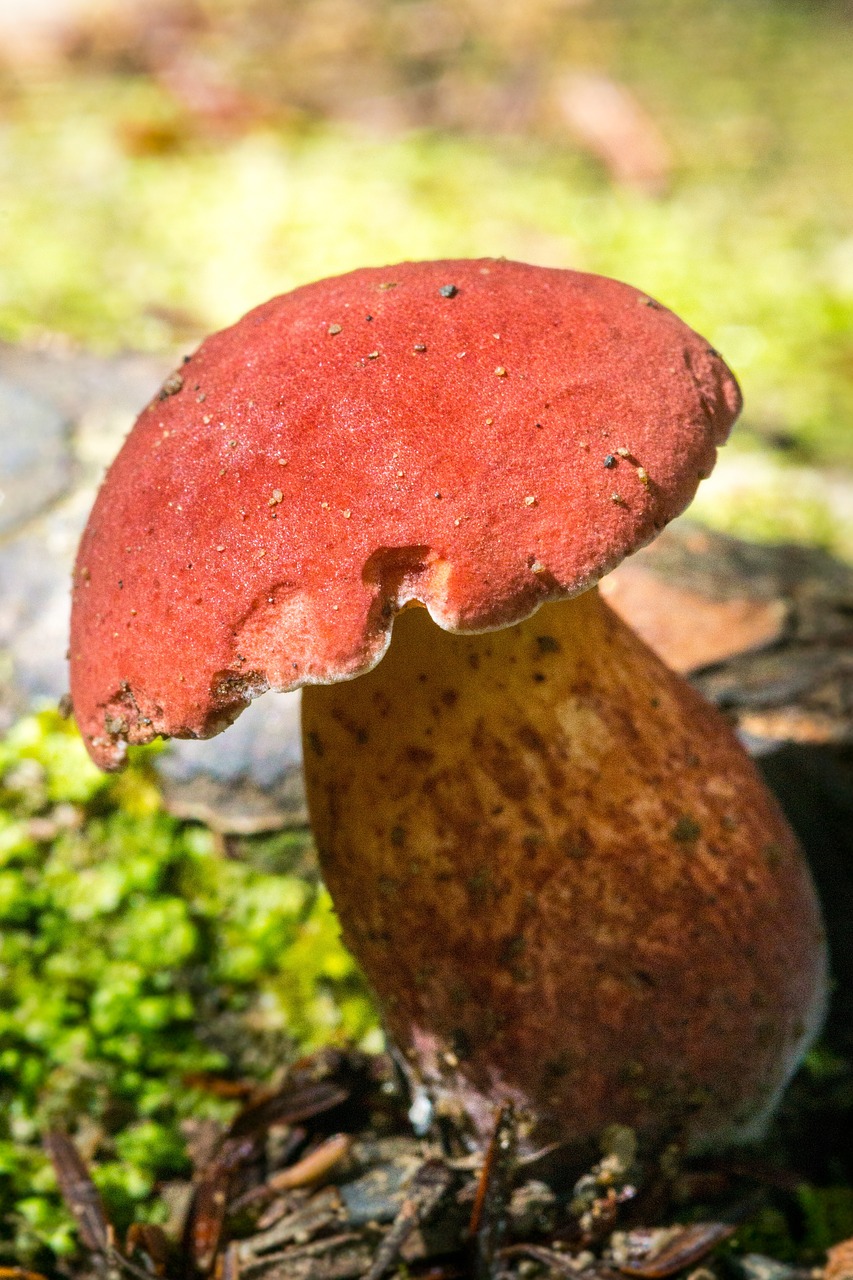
(324, 1179)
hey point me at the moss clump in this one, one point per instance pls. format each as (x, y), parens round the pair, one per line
(135, 958)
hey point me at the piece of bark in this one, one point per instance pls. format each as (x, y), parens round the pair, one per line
(766, 632)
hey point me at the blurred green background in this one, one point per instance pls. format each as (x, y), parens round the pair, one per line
(166, 165)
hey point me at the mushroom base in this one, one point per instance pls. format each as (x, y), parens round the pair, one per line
(565, 880)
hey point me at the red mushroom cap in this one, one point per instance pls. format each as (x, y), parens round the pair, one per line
(479, 435)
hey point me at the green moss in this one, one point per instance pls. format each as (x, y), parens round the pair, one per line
(768, 1233)
(134, 957)
(828, 1217)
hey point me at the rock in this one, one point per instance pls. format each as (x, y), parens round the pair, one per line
(246, 781)
(63, 415)
(35, 460)
(756, 1266)
(99, 396)
(379, 1193)
(35, 570)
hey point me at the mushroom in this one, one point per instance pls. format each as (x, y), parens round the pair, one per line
(562, 875)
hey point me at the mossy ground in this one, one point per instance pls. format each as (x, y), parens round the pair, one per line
(136, 960)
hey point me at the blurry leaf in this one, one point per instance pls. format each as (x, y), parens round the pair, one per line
(80, 1193)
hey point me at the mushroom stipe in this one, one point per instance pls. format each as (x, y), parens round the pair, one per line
(548, 854)
(569, 903)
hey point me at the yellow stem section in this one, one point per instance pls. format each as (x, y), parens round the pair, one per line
(564, 879)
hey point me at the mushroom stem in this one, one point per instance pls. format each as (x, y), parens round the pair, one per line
(564, 879)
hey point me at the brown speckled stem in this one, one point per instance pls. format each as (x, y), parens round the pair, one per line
(564, 879)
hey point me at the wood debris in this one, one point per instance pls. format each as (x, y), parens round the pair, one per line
(322, 1179)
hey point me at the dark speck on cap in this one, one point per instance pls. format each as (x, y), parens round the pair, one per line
(448, 291)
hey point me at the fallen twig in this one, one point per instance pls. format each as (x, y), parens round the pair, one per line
(489, 1215)
(429, 1186)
